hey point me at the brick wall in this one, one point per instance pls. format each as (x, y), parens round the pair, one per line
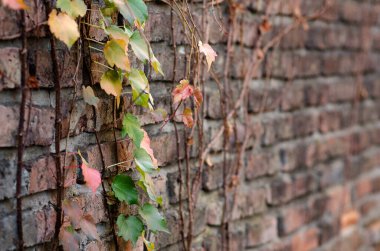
(310, 179)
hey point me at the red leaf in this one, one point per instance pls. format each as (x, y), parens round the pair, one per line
(145, 143)
(198, 98)
(91, 175)
(182, 91)
(188, 117)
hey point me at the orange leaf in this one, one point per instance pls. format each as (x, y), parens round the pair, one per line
(145, 143)
(182, 91)
(198, 98)
(265, 26)
(187, 117)
(15, 4)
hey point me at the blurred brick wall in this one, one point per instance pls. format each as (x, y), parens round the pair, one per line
(311, 178)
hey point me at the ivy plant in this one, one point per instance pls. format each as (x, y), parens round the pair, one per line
(63, 23)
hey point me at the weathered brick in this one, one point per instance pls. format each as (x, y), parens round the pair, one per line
(9, 130)
(35, 17)
(331, 173)
(261, 163)
(329, 227)
(285, 188)
(169, 153)
(260, 231)
(298, 154)
(10, 76)
(212, 177)
(292, 97)
(248, 202)
(263, 100)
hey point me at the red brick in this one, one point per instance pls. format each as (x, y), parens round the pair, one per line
(339, 200)
(305, 240)
(348, 219)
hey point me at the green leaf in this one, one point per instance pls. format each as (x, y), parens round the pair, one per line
(144, 52)
(153, 218)
(109, 9)
(115, 51)
(132, 128)
(125, 189)
(140, 88)
(143, 160)
(133, 9)
(141, 99)
(111, 82)
(138, 80)
(129, 228)
(146, 183)
(74, 8)
(139, 47)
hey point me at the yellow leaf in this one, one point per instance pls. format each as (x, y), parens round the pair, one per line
(208, 52)
(115, 51)
(63, 27)
(149, 245)
(111, 83)
(156, 66)
(118, 33)
(15, 4)
(187, 117)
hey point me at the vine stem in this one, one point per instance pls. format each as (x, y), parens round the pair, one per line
(58, 129)
(21, 131)
(254, 64)
(108, 208)
(181, 218)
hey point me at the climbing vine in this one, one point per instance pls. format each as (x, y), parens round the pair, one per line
(125, 40)
(118, 70)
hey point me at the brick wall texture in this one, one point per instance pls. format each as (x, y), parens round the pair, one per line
(311, 173)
